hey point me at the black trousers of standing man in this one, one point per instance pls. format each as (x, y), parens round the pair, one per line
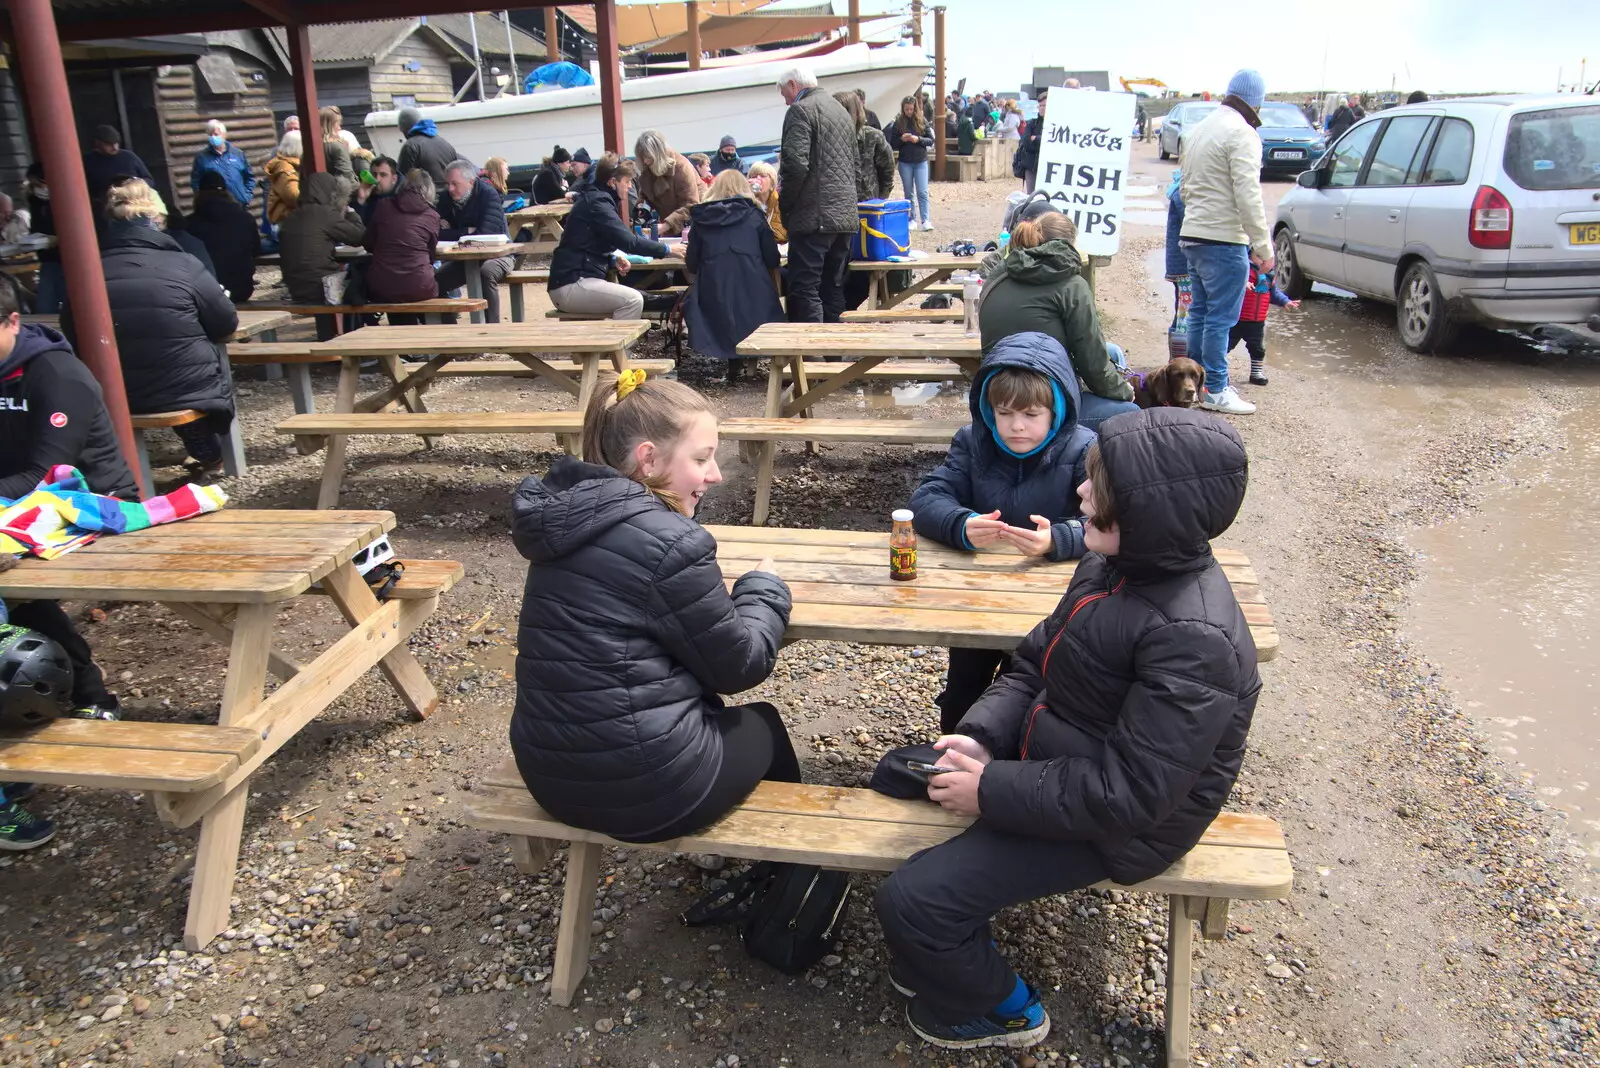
(817, 265)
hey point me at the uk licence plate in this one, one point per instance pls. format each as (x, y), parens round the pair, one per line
(1585, 233)
(1288, 153)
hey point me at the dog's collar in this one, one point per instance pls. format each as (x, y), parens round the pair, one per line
(1135, 378)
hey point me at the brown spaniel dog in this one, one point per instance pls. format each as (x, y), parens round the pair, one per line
(1175, 385)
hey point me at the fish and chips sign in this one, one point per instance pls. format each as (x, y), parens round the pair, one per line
(1083, 163)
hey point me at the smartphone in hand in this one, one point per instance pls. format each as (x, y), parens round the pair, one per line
(929, 770)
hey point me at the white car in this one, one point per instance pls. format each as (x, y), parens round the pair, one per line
(1481, 210)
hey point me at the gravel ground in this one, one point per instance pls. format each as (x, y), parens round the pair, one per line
(1438, 915)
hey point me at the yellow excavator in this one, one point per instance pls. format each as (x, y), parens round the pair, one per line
(1129, 83)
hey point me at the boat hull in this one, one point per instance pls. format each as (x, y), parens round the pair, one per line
(694, 109)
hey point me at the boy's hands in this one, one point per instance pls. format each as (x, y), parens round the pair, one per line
(963, 744)
(1031, 542)
(983, 530)
(766, 564)
(957, 791)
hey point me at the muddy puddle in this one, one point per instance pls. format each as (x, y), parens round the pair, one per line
(1507, 609)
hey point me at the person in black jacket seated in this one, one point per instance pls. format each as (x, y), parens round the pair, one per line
(469, 204)
(628, 635)
(229, 234)
(52, 412)
(580, 172)
(1105, 755)
(591, 239)
(172, 321)
(732, 262)
(550, 184)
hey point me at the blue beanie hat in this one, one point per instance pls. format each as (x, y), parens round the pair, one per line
(1248, 85)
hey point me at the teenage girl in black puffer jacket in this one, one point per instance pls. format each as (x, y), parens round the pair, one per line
(628, 634)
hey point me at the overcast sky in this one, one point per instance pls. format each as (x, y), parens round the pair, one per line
(1437, 45)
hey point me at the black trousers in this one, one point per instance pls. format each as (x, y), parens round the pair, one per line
(817, 265)
(46, 617)
(755, 746)
(936, 910)
(971, 672)
(1254, 336)
(203, 436)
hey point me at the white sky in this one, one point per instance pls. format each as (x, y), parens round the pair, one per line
(1436, 45)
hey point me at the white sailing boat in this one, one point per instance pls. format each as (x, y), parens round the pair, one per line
(693, 109)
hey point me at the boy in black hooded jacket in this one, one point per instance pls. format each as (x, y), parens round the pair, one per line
(52, 412)
(1107, 748)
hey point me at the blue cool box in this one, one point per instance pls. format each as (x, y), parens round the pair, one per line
(885, 229)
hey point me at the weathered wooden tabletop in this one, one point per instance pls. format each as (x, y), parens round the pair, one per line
(599, 335)
(251, 322)
(989, 599)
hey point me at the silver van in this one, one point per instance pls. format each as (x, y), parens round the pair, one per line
(1478, 210)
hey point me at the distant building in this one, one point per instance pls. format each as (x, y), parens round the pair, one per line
(1050, 77)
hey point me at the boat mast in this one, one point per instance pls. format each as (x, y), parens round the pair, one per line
(511, 49)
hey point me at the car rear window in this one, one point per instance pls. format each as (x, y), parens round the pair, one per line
(1283, 115)
(1555, 149)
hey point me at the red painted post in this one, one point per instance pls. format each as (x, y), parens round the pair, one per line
(552, 35)
(303, 73)
(38, 50)
(605, 18)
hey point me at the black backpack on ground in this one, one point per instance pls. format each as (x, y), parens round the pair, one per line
(788, 914)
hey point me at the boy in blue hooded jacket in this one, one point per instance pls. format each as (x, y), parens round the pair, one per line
(1010, 478)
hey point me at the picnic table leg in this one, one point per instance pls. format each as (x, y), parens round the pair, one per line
(344, 402)
(474, 274)
(572, 934)
(588, 380)
(764, 450)
(305, 402)
(354, 598)
(530, 855)
(1180, 953)
(517, 313)
(411, 398)
(801, 386)
(217, 858)
(146, 476)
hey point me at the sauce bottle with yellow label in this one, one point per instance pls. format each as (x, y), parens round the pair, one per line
(902, 546)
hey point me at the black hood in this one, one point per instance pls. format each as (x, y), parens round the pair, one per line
(554, 516)
(1179, 478)
(33, 342)
(721, 213)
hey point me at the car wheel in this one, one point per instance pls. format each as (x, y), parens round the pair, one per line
(1421, 312)
(1292, 280)
(1164, 153)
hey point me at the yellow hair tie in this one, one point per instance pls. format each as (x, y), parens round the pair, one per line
(629, 380)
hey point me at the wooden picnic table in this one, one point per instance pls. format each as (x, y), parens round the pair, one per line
(989, 599)
(939, 265)
(472, 254)
(262, 324)
(545, 220)
(228, 574)
(527, 343)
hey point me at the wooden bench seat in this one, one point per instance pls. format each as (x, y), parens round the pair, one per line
(870, 431)
(1240, 857)
(903, 315)
(232, 442)
(434, 306)
(177, 758)
(887, 371)
(515, 369)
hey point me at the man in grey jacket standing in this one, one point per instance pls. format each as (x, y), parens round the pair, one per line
(1224, 229)
(816, 196)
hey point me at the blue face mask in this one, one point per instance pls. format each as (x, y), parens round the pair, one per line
(214, 141)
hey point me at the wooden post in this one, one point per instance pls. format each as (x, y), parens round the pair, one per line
(939, 104)
(855, 21)
(692, 9)
(44, 76)
(916, 22)
(605, 17)
(302, 72)
(552, 35)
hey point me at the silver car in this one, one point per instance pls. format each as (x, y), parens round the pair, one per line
(1179, 119)
(1479, 210)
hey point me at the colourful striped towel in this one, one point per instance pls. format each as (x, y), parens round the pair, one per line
(61, 514)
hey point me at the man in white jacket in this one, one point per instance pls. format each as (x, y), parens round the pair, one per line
(1224, 229)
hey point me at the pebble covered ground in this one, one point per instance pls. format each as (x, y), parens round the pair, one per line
(1439, 914)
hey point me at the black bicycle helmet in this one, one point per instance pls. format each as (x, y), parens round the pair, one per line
(1036, 205)
(35, 678)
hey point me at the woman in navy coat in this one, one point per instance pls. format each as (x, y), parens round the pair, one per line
(732, 260)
